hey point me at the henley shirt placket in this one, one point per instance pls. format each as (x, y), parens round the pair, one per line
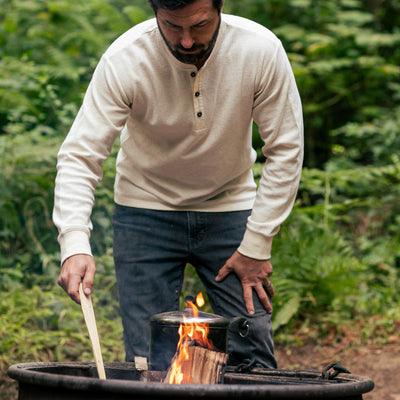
(198, 107)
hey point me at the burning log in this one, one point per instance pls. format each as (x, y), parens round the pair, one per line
(196, 360)
(200, 366)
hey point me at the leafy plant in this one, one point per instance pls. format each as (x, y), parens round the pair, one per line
(43, 324)
(337, 258)
(325, 270)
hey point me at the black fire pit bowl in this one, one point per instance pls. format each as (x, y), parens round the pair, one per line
(76, 381)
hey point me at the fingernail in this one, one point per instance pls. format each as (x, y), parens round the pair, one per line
(87, 290)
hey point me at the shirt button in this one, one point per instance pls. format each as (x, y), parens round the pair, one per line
(197, 94)
(199, 114)
(193, 74)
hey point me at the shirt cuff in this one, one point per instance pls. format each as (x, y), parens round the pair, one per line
(74, 242)
(256, 246)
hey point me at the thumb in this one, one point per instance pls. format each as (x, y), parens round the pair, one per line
(87, 282)
(223, 273)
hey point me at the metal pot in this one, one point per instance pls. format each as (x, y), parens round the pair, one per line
(164, 334)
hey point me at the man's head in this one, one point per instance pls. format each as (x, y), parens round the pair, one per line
(175, 4)
(189, 31)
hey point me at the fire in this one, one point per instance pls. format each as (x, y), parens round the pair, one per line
(200, 300)
(189, 332)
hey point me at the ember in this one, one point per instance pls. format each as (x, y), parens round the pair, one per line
(196, 360)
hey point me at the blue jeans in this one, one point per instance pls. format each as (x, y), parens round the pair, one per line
(151, 250)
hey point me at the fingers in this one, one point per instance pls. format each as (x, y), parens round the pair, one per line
(75, 269)
(254, 275)
(270, 289)
(268, 286)
(262, 295)
(73, 287)
(248, 299)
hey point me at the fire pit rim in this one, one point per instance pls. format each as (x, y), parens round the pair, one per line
(28, 373)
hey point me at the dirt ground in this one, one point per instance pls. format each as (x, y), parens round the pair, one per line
(380, 363)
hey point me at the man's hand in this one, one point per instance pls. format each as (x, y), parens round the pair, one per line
(254, 274)
(75, 269)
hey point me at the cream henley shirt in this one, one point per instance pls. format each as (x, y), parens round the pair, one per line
(186, 134)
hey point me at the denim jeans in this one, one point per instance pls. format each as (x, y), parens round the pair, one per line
(151, 250)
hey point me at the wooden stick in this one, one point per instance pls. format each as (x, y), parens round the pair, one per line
(88, 313)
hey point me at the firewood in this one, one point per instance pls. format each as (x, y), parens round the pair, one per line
(141, 363)
(204, 366)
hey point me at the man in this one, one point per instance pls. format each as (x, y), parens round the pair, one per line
(183, 90)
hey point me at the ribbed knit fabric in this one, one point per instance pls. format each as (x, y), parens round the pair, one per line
(186, 134)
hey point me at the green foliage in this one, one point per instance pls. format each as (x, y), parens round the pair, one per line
(375, 142)
(26, 230)
(337, 258)
(43, 324)
(330, 283)
(48, 52)
(345, 56)
(362, 202)
(326, 270)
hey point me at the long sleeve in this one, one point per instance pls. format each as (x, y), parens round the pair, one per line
(278, 114)
(98, 123)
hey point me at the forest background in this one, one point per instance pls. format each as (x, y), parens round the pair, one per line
(336, 259)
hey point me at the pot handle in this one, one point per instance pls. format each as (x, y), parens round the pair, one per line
(240, 325)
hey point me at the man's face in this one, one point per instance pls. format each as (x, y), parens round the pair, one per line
(190, 32)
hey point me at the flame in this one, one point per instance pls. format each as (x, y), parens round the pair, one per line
(189, 332)
(200, 300)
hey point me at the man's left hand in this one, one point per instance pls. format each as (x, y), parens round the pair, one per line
(253, 274)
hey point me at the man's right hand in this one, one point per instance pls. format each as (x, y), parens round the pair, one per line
(77, 268)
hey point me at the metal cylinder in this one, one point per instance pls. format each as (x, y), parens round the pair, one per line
(164, 334)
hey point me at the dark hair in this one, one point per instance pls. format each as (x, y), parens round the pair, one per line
(175, 4)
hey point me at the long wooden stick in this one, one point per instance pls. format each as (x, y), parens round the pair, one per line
(88, 313)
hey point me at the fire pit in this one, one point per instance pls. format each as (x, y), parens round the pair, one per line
(76, 381)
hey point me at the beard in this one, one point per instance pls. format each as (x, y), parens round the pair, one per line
(202, 51)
